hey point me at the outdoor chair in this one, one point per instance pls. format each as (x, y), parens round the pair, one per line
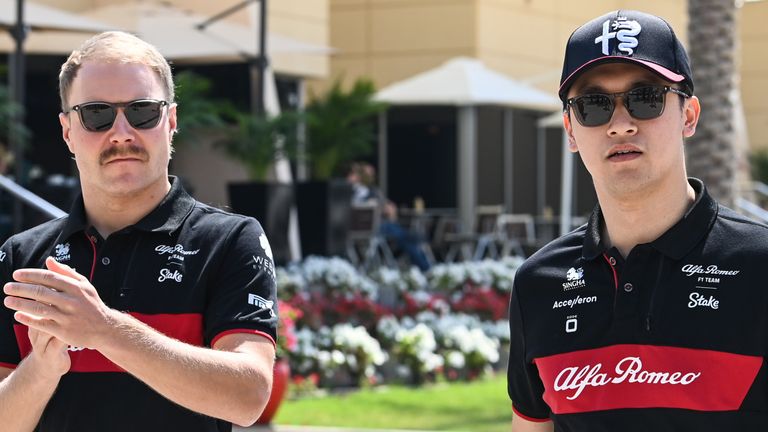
(515, 233)
(366, 246)
(478, 244)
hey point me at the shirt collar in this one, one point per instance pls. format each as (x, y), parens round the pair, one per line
(677, 241)
(166, 217)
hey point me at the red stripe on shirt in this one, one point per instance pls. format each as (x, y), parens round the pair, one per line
(187, 328)
(530, 419)
(8, 365)
(247, 331)
(646, 376)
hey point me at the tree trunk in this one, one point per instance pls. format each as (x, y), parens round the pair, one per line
(712, 153)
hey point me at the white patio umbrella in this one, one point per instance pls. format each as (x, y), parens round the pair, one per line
(45, 18)
(175, 33)
(171, 29)
(465, 83)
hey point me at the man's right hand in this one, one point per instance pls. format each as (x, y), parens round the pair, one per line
(26, 390)
(50, 353)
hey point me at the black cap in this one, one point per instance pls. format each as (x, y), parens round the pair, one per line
(626, 36)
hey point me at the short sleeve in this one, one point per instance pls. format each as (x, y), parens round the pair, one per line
(9, 348)
(523, 383)
(243, 297)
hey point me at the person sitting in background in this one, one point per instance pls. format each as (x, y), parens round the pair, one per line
(361, 176)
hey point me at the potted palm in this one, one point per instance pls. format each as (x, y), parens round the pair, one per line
(340, 129)
(255, 142)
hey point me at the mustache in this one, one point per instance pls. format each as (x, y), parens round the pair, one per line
(123, 151)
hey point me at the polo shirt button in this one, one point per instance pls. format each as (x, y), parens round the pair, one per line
(612, 260)
(105, 261)
(628, 287)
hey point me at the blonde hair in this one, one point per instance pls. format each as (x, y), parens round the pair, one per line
(114, 47)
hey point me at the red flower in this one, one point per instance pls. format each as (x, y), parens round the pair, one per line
(286, 328)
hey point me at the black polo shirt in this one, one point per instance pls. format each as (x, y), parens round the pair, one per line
(189, 270)
(671, 339)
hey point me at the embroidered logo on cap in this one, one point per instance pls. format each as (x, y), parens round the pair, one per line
(625, 32)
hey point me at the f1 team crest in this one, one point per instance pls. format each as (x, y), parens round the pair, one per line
(624, 31)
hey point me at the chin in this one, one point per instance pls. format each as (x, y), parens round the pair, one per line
(127, 184)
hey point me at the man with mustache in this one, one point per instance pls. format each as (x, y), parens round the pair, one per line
(652, 316)
(143, 309)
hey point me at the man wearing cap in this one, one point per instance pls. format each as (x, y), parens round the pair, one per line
(653, 315)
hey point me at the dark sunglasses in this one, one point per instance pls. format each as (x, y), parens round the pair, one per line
(642, 103)
(100, 116)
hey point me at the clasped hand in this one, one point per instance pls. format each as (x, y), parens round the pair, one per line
(60, 302)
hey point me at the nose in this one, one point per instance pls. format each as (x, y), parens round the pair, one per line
(621, 122)
(121, 130)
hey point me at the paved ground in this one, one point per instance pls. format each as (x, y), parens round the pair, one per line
(310, 429)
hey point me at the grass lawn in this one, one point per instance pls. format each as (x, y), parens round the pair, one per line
(478, 406)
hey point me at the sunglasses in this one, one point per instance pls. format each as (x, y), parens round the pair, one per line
(642, 103)
(100, 116)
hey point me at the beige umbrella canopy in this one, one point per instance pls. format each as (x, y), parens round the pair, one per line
(47, 25)
(171, 29)
(40, 17)
(464, 81)
(175, 33)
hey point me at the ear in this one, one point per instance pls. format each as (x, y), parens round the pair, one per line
(172, 120)
(569, 131)
(691, 112)
(66, 129)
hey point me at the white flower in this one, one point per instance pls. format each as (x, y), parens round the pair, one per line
(455, 359)
(455, 333)
(498, 330)
(336, 274)
(415, 279)
(390, 278)
(355, 340)
(338, 357)
(324, 358)
(419, 343)
(387, 327)
(432, 361)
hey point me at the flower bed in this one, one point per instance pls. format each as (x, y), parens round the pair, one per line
(344, 328)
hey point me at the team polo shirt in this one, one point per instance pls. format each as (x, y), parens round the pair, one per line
(672, 338)
(189, 270)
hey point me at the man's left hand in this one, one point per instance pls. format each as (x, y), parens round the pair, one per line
(59, 301)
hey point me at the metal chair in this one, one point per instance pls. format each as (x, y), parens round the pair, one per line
(366, 247)
(478, 244)
(515, 232)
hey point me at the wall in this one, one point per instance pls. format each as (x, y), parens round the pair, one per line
(754, 71)
(306, 21)
(389, 40)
